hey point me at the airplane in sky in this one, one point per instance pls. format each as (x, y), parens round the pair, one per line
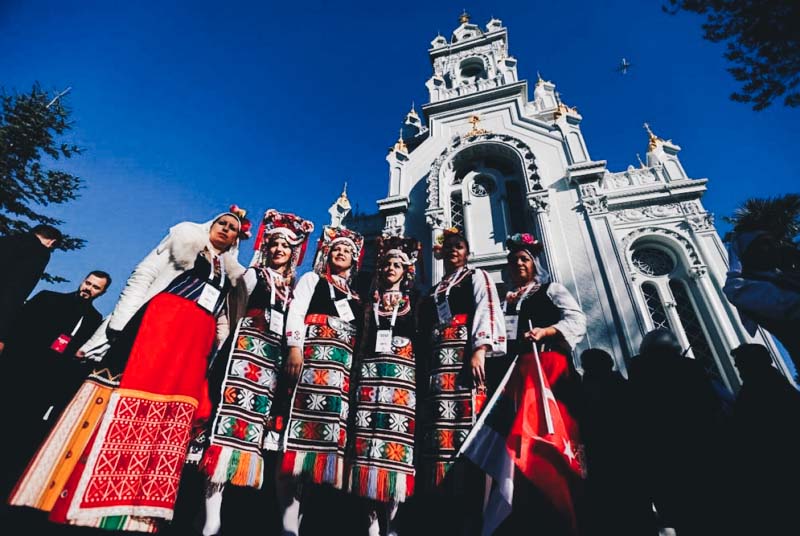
(624, 65)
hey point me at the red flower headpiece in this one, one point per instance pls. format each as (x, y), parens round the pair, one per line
(294, 229)
(524, 241)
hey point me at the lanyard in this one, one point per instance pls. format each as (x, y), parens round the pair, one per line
(451, 283)
(521, 298)
(333, 294)
(216, 260)
(271, 276)
(394, 314)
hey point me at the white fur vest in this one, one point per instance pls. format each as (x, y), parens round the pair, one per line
(174, 255)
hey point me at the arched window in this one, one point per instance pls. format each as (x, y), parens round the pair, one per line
(654, 306)
(667, 298)
(691, 325)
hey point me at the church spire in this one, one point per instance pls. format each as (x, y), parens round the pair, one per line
(401, 145)
(653, 139)
(340, 208)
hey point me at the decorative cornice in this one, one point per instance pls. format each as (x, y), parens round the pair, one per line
(586, 171)
(393, 203)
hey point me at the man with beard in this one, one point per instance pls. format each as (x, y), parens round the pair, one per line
(40, 371)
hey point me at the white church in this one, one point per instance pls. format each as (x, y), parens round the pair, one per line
(636, 247)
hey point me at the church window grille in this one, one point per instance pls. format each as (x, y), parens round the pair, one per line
(691, 325)
(655, 306)
(457, 211)
(652, 261)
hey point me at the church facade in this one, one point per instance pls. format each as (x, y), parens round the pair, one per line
(636, 247)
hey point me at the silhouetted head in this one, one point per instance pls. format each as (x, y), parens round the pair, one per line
(48, 235)
(759, 251)
(660, 343)
(751, 360)
(597, 362)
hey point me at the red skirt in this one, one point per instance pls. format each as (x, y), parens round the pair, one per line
(131, 467)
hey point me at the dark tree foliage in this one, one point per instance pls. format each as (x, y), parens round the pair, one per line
(763, 45)
(30, 127)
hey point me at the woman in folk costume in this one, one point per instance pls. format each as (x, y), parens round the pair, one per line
(323, 328)
(544, 313)
(114, 458)
(248, 366)
(382, 440)
(462, 321)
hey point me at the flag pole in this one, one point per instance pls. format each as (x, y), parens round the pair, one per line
(548, 417)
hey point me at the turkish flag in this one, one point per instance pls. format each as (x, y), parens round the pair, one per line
(544, 439)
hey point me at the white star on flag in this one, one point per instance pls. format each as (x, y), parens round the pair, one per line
(568, 451)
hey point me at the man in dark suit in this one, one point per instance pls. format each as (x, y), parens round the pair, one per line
(24, 258)
(40, 372)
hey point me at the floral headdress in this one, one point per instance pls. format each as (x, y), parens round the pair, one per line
(524, 242)
(406, 249)
(445, 234)
(293, 228)
(244, 224)
(337, 235)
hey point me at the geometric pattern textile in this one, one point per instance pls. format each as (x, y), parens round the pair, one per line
(134, 465)
(385, 404)
(449, 406)
(234, 452)
(316, 434)
(49, 470)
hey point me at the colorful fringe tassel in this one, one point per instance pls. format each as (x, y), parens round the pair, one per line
(225, 464)
(381, 484)
(319, 467)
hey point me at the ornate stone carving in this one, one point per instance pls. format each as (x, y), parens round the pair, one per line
(446, 158)
(395, 224)
(595, 205)
(701, 222)
(592, 200)
(648, 213)
(539, 203)
(435, 219)
(631, 177)
(696, 272)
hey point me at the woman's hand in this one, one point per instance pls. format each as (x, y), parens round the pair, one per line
(477, 365)
(537, 334)
(294, 363)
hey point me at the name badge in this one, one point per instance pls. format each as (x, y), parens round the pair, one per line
(383, 341)
(208, 298)
(512, 327)
(276, 322)
(343, 310)
(443, 310)
(60, 344)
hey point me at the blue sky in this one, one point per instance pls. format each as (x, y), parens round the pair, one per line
(186, 107)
